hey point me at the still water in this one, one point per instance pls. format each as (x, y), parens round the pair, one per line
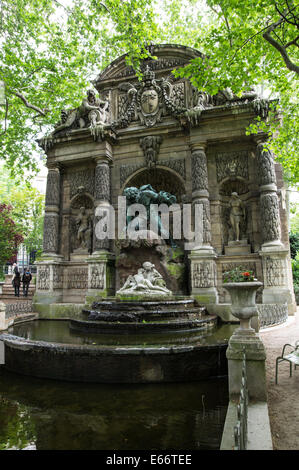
(49, 415)
(59, 332)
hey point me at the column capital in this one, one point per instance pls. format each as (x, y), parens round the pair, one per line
(54, 166)
(201, 146)
(103, 160)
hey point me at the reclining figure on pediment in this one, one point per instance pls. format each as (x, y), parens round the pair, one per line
(91, 113)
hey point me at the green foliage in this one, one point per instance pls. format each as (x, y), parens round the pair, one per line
(294, 218)
(294, 244)
(10, 236)
(295, 269)
(50, 52)
(238, 275)
(27, 209)
(238, 56)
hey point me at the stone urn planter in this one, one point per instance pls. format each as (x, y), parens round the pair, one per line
(243, 301)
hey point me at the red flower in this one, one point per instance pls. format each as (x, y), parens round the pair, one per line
(246, 274)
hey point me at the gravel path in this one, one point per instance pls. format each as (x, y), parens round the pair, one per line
(283, 399)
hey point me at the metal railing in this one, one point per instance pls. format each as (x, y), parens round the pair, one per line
(240, 429)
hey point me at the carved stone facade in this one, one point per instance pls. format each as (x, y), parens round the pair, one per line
(150, 146)
(232, 164)
(51, 233)
(161, 131)
(274, 271)
(81, 180)
(270, 217)
(43, 278)
(77, 278)
(97, 276)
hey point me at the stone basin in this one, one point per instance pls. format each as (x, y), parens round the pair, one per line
(33, 349)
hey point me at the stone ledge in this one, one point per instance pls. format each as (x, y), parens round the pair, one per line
(259, 431)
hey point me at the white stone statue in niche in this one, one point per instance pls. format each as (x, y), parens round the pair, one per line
(147, 281)
(237, 214)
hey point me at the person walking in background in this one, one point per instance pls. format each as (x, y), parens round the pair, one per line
(16, 281)
(26, 278)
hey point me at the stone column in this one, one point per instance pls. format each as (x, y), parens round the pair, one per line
(102, 199)
(277, 285)
(269, 203)
(202, 257)
(51, 221)
(49, 282)
(101, 262)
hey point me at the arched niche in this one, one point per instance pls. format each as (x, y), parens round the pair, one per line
(161, 179)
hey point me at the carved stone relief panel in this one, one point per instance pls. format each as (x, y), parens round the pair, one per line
(97, 276)
(203, 274)
(150, 146)
(274, 271)
(232, 164)
(178, 94)
(43, 278)
(81, 181)
(77, 278)
(57, 277)
(206, 219)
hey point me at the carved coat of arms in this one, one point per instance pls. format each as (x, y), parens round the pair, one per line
(149, 100)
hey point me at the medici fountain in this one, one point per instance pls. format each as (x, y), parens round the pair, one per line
(154, 191)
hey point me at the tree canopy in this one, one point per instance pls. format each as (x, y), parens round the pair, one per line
(26, 209)
(50, 50)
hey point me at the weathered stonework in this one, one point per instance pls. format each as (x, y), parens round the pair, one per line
(161, 131)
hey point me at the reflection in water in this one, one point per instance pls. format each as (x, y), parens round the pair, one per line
(51, 415)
